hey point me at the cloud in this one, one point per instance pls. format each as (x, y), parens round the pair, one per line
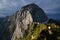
(6, 4)
(50, 6)
(9, 4)
(2, 15)
(7, 7)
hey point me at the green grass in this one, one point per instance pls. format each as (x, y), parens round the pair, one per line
(35, 31)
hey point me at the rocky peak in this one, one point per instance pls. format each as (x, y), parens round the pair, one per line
(17, 24)
(30, 6)
(37, 14)
(27, 15)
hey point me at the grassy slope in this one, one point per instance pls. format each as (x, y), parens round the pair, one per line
(36, 29)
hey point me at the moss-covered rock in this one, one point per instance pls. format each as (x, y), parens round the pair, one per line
(36, 30)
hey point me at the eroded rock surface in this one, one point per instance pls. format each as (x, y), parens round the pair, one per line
(15, 26)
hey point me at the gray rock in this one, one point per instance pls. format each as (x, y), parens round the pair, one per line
(16, 25)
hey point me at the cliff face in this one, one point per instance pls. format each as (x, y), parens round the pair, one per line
(15, 26)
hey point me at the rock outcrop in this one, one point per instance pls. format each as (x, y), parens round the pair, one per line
(15, 26)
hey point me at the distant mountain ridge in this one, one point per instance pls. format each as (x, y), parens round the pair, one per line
(54, 16)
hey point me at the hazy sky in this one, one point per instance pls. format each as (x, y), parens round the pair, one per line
(8, 7)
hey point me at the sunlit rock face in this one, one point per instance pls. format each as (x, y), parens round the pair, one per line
(27, 15)
(17, 24)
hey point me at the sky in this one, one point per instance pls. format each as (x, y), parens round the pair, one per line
(8, 7)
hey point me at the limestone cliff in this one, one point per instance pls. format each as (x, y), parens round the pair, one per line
(15, 26)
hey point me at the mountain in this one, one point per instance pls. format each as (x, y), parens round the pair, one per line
(29, 23)
(15, 26)
(54, 16)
